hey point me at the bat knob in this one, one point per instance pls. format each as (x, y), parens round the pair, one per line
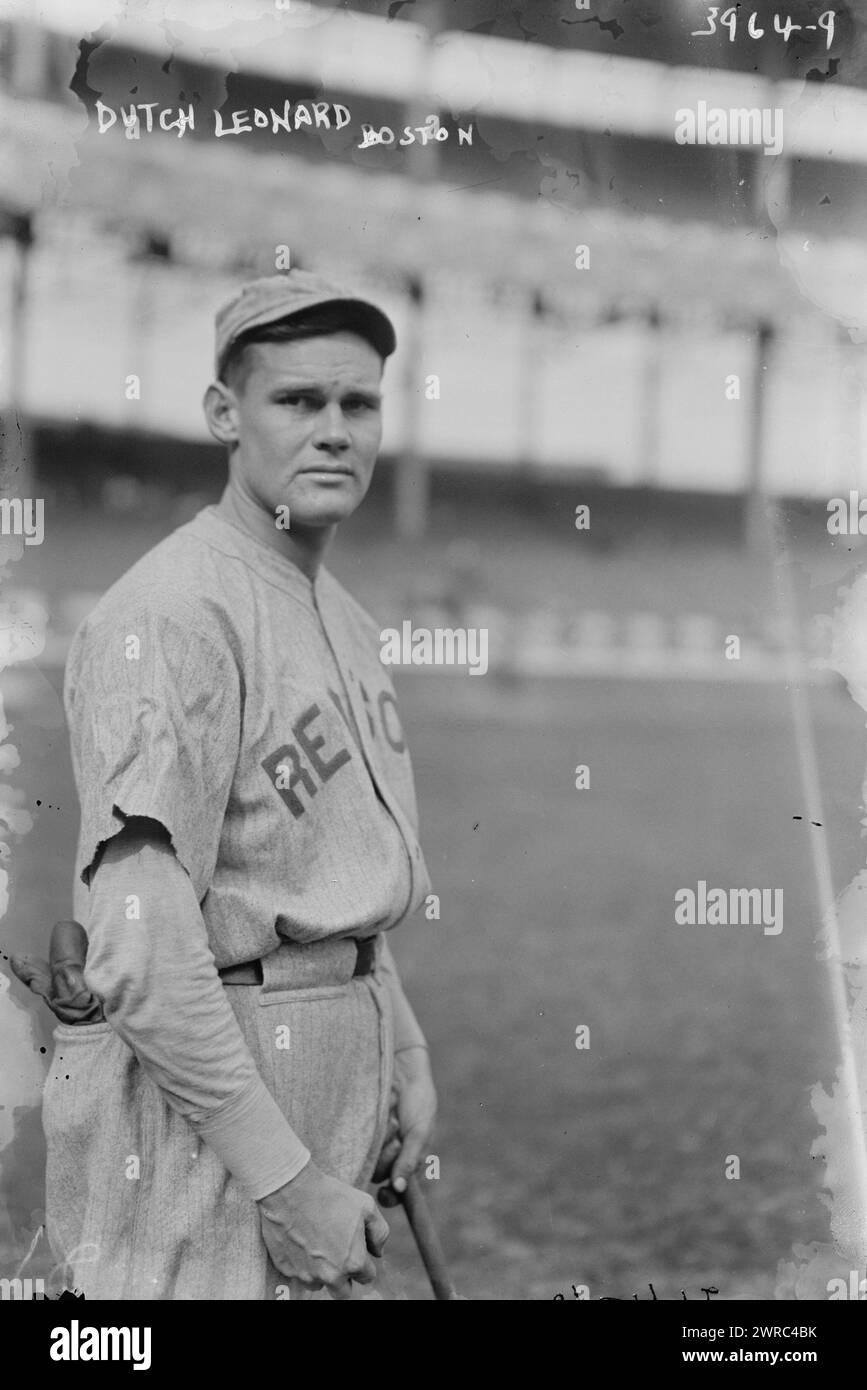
(387, 1197)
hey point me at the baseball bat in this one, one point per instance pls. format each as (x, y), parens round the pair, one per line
(425, 1236)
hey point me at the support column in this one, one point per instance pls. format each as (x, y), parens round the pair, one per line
(412, 474)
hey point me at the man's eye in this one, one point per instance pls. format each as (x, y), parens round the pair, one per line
(359, 404)
(297, 398)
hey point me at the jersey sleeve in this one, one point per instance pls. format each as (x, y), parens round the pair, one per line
(149, 962)
(154, 709)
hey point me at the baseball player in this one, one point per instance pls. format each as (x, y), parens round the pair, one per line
(248, 838)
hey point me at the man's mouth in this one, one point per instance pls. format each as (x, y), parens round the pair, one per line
(324, 470)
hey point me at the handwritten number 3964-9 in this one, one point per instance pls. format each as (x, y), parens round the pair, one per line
(729, 20)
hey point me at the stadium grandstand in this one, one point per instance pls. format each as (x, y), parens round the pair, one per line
(144, 235)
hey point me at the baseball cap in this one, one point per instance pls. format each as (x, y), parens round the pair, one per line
(274, 297)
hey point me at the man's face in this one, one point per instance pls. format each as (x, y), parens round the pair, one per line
(309, 425)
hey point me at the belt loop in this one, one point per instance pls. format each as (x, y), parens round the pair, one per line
(369, 951)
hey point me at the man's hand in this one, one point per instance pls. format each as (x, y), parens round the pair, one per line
(414, 1108)
(60, 979)
(321, 1231)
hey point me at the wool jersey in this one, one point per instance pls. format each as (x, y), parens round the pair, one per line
(218, 690)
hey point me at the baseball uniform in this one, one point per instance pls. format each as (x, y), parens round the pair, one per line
(218, 691)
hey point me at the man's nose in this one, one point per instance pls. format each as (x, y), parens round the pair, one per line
(331, 430)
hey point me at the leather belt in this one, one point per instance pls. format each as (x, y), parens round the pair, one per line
(249, 972)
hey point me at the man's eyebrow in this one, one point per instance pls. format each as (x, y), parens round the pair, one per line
(316, 388)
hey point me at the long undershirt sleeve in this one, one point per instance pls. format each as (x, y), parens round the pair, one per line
(407, 1030)
(150, 963)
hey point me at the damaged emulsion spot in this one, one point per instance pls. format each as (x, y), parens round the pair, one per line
(607, 26)
(822, 1269)
(78, 83)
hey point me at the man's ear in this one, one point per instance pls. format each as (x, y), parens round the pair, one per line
(221, 412)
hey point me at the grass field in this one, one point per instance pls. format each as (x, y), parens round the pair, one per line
(607, 1167)
(603, 1166)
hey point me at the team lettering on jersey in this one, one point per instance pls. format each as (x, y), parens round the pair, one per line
(307, 764)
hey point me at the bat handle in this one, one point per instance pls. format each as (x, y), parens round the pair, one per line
(427, 1241)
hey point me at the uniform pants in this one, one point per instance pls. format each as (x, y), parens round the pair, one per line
(138, 1208)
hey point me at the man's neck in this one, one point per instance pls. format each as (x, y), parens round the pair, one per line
(303, 546)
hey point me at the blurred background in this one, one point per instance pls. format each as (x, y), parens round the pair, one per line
(697, 363)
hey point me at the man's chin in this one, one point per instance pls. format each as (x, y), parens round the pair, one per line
(325, 505)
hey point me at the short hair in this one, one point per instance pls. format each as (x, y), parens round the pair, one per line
(318, 322)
